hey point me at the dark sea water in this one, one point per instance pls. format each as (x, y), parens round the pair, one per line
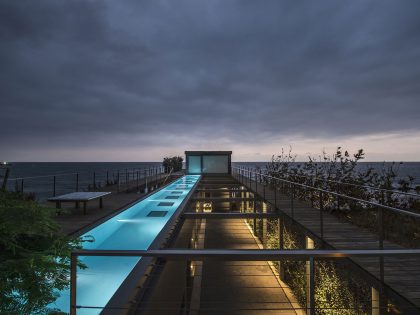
(403, 170)
(66, 174)
(39, 179)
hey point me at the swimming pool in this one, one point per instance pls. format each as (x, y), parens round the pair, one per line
(133, 228)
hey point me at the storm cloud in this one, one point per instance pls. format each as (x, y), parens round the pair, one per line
(145, 75)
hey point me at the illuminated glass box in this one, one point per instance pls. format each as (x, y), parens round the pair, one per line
(208, 162)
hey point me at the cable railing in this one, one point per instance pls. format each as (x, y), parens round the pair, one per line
(45, 186)
(312, 305)
(315, 178)
(319, 197)
(258, 175)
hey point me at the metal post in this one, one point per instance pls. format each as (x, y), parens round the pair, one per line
(311, 292)
(292, 201)
(275, 193)
(118, 181)
(77, 182)
(126, 176)
(310, 279)
(337, 196)
(281, 245)
(381, 258)
(107, 177)
(281, 232)
(73, 284)
(54, 187)
(262, 182)
(94, 181)
(21, 186)
(376, 306)
(256, 180)
(145, 188)
(321, 214)
(255, 219)
(137, 175)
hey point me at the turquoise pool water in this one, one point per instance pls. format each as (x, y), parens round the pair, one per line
(134, 228)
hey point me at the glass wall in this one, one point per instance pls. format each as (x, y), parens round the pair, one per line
(215, 164)
(194, 164)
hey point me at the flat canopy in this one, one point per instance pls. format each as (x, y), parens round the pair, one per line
(208, 152)
(80, 196)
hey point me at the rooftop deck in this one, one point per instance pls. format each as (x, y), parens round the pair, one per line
(228, 213)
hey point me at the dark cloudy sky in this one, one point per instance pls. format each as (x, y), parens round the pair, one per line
(136, 80)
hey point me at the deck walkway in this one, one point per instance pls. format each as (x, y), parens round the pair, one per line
(400, 274)
(216, 287)
(242, 287)
(236, 287)
(72, 221)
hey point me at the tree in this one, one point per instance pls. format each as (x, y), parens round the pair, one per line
(174, 163)
(34, 256)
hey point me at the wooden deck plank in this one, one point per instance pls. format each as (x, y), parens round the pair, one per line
(403, 275)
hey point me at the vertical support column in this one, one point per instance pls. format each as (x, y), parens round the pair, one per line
(376, 310)
(137, 180)
(337, 196)
(264, 225)
(118, 181)
(321, 214)
(280, 222)
(77, 182)
(292, 203)
(381, 298)
(73, 283)
(262, 182)
(54, 186)
(275, 193)
(310, 280)
(145, 178)
(254, 206)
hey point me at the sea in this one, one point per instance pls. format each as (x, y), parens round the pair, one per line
(38, 177)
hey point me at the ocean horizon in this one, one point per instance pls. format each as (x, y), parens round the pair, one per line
(38, 176)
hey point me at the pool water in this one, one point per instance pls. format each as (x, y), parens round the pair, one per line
(134, 228)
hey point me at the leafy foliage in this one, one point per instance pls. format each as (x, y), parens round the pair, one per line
(35, 256)
(337, 289)
(342, 173)
(174, 163)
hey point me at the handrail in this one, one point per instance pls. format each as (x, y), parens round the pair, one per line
(248, 254)
(236, 255)
(358, 185)
(354, 185)
(375, 204)
(75, 173)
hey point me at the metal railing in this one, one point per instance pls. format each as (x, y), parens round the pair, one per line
(47, 186)
(315, 178)
(310, 256)
(254, 180)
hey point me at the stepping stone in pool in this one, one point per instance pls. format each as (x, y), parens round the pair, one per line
(165, 204)
(171, 197)
(157, 214)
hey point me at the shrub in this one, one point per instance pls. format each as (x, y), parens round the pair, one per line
(35, 256)
(174, 163)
